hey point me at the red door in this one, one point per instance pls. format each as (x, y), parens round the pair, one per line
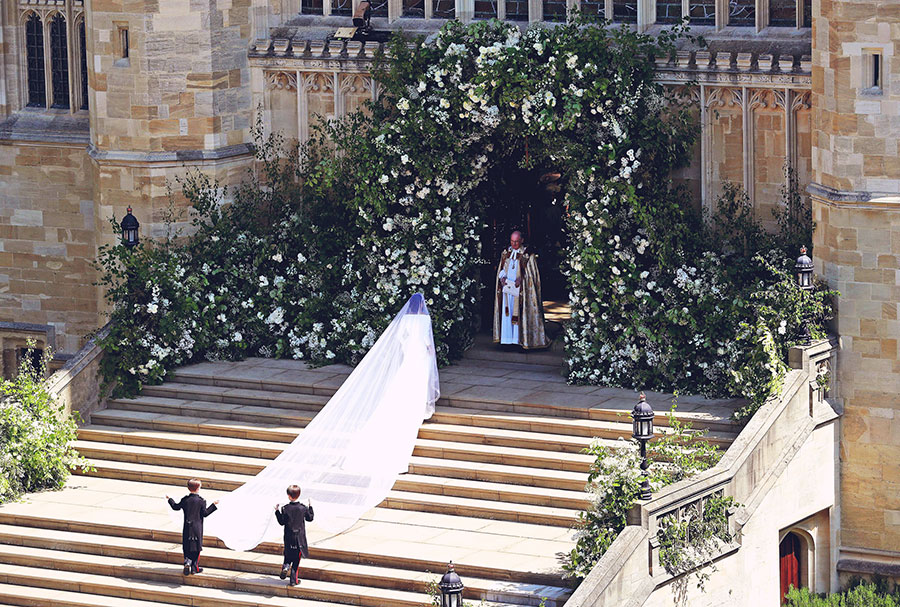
(789, 562)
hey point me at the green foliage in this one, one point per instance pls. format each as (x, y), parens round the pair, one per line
(865, 594)
(36, 433)
(312, 254)
(614, 484)
(691, 542)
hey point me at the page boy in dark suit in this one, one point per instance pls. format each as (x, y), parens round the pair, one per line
(195, 510)
(293, 518)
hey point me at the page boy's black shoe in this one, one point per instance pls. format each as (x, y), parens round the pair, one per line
(285, 571)
(187, 566)
(198, 570)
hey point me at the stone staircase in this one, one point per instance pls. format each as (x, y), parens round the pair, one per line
(495, 484)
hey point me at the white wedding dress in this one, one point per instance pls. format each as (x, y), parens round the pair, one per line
(348, 457)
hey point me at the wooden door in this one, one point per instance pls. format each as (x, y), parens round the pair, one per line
(789, 562)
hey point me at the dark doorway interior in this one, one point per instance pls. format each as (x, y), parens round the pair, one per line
(531, 201)
(789, 562)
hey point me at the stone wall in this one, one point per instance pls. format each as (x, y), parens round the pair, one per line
(47, 239)
(856, 178)
(184, 84)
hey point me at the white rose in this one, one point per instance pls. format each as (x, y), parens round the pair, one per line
(152, 308)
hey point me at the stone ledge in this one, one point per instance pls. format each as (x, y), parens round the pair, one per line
(46, 126)
(854, 198)
(222, 153)
(860, 567)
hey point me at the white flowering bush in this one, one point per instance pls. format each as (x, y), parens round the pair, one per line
(36, 433)
(318, 249)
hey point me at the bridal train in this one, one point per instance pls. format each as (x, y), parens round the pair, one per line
(348, 457)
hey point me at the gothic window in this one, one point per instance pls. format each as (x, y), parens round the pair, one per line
(341, 7)
(516, 10)
(742, 12)
(485, 9)
(668, 11)
(82, 42)
(554, 10)
(59, 62)
(311, 7)
(34, 50)
(444, 9)
(595, 9)
(413, 8)
(783, 13)
(625, 11)
(807, 13)
(379, 8)
(703, 12)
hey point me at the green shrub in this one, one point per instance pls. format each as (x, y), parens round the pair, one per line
(864, 594)
(35, 433)
(614, 485)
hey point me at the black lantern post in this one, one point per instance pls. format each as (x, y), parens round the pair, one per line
(804, 270)
(451, 588)
(130, 227)
(642, 416)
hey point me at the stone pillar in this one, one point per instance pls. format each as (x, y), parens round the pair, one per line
(856, 206)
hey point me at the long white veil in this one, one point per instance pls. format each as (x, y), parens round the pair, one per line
(348, 457)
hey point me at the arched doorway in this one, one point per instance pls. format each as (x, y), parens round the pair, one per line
(790, 555)
(530, 200)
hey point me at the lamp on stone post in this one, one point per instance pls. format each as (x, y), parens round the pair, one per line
(451, 588)
(804, 271)
(642, 418)
(130, 227)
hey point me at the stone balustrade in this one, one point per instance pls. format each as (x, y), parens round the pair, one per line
(631, 570)
(77, 385)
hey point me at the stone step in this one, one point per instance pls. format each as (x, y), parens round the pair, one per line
(504, 438)
(269, 564)
(573, 462)
(246, 467)
(129, 419)
(260, 583)
(241, 396)
(546, 393)
(446, 416)
(30, 596)
(398, 500)
(493, 433)
(516, 475)
(216, 410)
(485, 349)
(397, 553)
(619, 426)
(110, 576)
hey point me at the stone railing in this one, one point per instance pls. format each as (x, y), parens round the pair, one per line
(631, 569)
(77, 383)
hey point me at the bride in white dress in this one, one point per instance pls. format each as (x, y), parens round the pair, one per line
(348, 457)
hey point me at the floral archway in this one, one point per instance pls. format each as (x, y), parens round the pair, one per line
(315, 252)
